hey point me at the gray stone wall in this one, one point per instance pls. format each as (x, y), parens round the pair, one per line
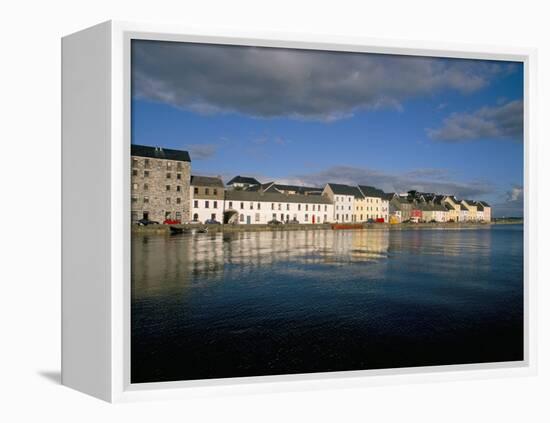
(160, 189)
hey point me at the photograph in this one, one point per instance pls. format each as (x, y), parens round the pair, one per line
(300, 211)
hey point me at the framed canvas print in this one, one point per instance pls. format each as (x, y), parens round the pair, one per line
(252, 212)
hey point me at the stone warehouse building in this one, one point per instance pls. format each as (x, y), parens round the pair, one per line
(160, 184)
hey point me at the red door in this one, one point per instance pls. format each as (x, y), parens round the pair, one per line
(313, 219)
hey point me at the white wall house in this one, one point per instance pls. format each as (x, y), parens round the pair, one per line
(250, 207)
(207, 197)
(343, 197)
(376, 204)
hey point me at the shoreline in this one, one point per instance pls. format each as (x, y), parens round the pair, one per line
(165, 229)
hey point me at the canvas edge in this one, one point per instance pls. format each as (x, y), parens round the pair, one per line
(121, 389)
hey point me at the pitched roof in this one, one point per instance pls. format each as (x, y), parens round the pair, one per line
(206, 181)
(484, 204)
(463, 207)
(470, 202)
(369, 191)
(297, 188)
(479, 207)
(159, 153)
(243, 180)
(275, 197)
(341, 189)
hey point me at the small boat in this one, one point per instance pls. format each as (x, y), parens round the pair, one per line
(338, 226)
(175, 230)
(202, 230)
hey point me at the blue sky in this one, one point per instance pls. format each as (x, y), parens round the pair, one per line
(395, 122)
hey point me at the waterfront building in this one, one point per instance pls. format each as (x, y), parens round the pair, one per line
(207, 198)
(253, 207)
(453, 207)
(243, 182)
(486, 211)
(290, 189)
(375, 203)
(343, 198)
(159, 184)
(396, 215)
(416, 212)
(472, 210)
(464, 213)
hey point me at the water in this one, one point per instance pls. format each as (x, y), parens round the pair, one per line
(265, 303)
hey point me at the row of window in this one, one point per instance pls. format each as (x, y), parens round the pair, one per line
(206, 191)
(147, 163)
(342, 207)
(340, 199)
(206, 204)
(279, 206)
(135, 187)
(371, 208)
(285, 218)
(147, 174)
(135, 200)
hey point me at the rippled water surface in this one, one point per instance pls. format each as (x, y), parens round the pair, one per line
(264, 303)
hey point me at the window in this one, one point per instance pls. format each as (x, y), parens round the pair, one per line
(169, 165)
(167, 187)
(178, 176)
(168, 215)
(279, 206)
(134, 186)
(288, 206)
(299, 207)
(179, 166)
(306, 208)
(178, 216)
(241, 218)
(134, 162)
(215, 204)
(251, 205)
(145, 187)
(259, 206)
(178, 188)
(274, 215)
(145, 199)
(195, 217)
(207, 204)
(168, 175)
(147, 163)
(195, 190)
(168, 200)
(159, 165)
(337, 216)
(215, 191)
(196, 204)
(242, 205)
(134, 199)
(231, 204)
(325, 218)
(213, 216)
(325, 207)
(272, 206)
(146, 174)
(257, 217)
(134, 172)
(306, 217)
(206, 191)
(178, 200)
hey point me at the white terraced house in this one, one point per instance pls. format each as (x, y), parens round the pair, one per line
(254, 207)
(343, 197)
(207, 196)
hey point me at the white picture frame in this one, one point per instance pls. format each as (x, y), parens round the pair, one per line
(96, 190)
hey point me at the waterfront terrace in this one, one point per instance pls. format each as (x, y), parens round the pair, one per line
(252, 207)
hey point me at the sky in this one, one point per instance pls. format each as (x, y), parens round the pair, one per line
(451, 126)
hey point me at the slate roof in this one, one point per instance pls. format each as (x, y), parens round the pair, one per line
(484, 204)
(463, 207)
(479, 207)
(341, 189)
(299, 189)
(470, 203)
(243, 180)
(159, 153)
(369, 191)
(206, 181)
(275, 197)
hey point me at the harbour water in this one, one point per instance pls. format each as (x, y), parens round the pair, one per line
(265, 303)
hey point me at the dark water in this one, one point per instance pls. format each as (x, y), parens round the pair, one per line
(264, 303)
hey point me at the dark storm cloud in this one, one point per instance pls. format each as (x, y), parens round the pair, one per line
(293, 83)
(500, 122)
(426, 180)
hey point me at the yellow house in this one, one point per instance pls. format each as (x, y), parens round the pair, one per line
(472, 210)
(453, 208)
